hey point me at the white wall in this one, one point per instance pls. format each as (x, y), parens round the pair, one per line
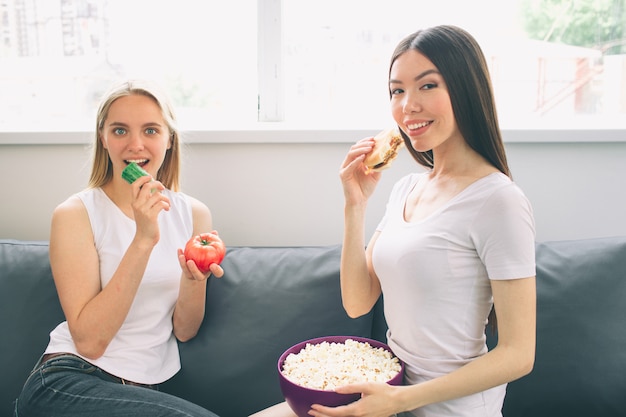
(280, 194)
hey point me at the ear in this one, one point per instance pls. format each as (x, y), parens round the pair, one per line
(101, 139)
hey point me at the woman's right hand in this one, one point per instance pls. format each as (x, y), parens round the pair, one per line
(358, 183)
(147, 203)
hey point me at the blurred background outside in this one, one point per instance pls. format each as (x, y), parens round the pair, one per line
(323, 64)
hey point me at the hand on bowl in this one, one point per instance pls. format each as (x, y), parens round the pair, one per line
(301, 395)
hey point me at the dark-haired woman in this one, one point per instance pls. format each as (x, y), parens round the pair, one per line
(455, 246)
(456, 242)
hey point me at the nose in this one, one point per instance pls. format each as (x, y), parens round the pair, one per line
(411, 103)
(135, 142)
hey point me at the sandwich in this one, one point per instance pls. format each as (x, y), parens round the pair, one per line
(388, 143)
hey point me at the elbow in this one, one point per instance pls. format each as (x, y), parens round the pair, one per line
(516, 363)
(89, 344)
(521, 370)
(357, 307)
(527, 366)
(352, 314)
(91, 350)
(184, 332)
(524, 365)
(354, 311)
(183, 338)
(528, 362)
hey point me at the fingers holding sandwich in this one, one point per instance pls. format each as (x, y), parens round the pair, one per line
(358, 184)
(357, 152)
(375, 154)
(386, 146)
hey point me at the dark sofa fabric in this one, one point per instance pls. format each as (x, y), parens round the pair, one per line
(271, 298)
(580, 363)
(268, 300)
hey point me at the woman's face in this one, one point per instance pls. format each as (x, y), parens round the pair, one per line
(135, 131)
(420, 102)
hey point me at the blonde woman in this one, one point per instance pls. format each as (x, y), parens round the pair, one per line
(125, 287)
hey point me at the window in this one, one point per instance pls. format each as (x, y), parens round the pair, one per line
(60, 56)
(319, 65)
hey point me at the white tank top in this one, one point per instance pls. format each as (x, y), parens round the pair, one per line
(144, 350)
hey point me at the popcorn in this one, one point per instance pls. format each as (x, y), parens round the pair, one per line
(327, 366)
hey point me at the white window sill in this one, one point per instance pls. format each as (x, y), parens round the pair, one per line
(283, 134)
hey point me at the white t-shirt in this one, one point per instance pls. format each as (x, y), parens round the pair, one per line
(435, 276)
(144, 350)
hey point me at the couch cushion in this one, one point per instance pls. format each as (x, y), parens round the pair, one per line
(268, 300)
(580, 366)
(29, 310)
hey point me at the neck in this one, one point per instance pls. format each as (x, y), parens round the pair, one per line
(118, 191)
(458, 161)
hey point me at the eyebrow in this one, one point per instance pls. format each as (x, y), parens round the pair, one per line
(418, 77)
(121, 124)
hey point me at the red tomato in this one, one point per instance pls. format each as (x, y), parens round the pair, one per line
(205, 249)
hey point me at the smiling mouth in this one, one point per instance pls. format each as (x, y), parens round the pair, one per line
(140, 162)
(415, 126)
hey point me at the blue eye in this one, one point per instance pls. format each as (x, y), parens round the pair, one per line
(119, 131)
(151, 131)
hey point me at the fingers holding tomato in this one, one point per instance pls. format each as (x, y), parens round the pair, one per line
(216, 270)
(205, 252)
(192, 272)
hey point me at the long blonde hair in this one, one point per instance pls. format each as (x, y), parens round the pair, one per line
(102, 168)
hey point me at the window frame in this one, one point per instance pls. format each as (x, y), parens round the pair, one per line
(270, 64)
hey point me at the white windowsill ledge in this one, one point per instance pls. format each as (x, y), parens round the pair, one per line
(277, 134)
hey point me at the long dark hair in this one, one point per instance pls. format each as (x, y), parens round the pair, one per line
(462, 64)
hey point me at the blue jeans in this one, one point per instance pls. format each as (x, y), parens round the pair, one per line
(69, 386)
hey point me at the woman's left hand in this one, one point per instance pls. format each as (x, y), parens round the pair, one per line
(191, 271)
(377, 400)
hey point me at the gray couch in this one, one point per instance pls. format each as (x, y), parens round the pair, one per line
(273, 297)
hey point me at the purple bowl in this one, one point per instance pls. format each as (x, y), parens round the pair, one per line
(301, 398)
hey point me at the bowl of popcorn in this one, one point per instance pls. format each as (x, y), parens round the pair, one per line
(310, 371)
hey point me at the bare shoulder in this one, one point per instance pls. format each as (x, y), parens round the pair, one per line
(71, 209)
(202, 218)
(198, 208)
(71, 239)
(70, 223)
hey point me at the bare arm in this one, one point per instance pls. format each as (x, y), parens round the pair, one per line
(95, 314)
(191, 302)
(360, 287)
